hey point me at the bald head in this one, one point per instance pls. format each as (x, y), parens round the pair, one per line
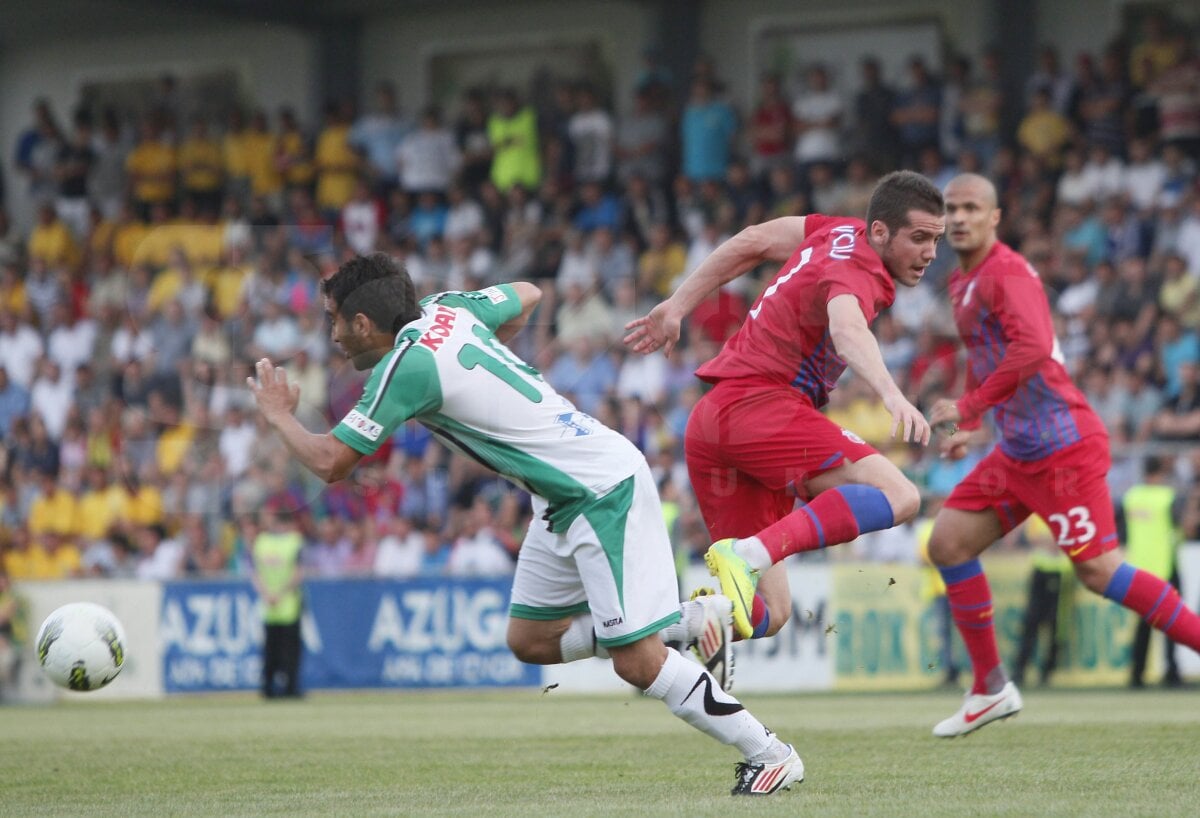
(976, 185)
(971, 217)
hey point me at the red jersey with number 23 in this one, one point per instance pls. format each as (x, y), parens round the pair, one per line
(785, 338)
(1013, 360)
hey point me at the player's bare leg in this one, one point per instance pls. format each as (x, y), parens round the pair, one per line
(689, 691)
(1152, 598)
(692, 694)
(958, 538)
(852, 499)
(703, 626)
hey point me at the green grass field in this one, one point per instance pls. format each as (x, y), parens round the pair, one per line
(1106, 753)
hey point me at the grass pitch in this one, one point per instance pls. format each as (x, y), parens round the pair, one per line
(524, 753)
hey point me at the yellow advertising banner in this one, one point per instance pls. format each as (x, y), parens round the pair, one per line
(887, 633)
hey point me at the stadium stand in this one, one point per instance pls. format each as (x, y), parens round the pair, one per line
(170, 251)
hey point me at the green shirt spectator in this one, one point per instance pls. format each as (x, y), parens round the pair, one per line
(513, 134)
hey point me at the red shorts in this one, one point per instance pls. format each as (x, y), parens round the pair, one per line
(751, 447)
(1068, 489)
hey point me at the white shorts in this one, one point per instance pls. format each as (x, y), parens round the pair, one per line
(615, 561)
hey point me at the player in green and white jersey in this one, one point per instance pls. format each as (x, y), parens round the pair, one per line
(595, 574)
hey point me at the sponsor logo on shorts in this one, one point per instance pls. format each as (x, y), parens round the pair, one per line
(612, 623)
(363, 425)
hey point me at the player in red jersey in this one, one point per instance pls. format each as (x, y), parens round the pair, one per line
(1051, 460)
(757, 441)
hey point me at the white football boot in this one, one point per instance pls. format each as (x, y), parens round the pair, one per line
(713, 647)
(979, 709)
(764, 779)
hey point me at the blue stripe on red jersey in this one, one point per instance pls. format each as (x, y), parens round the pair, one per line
(819, 372)
(1036, 421)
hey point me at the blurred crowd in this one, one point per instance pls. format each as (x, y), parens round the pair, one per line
(170, 251)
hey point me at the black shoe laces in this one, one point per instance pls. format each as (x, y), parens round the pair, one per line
(746, 773)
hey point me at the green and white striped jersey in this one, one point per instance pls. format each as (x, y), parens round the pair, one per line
(450, 372)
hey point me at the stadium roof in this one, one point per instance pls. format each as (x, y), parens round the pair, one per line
(31, 22)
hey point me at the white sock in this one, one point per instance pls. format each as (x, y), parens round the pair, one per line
(752, 550)
(689, 626)
(693, 695)
(579, 641)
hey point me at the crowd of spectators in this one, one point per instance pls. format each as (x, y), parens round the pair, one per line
(169, 252)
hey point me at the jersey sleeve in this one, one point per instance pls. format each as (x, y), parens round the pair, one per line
(850, 277)
(1015, 297)
(403, 385)
(493, 306)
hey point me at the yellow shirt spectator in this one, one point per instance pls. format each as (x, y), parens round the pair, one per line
(156, 245)
(96, 514)
(260, 163)
(12, 295)
(127, 239)
(19, 564)
(227, 284)
(173, 445)
(658, 268)
(294, 159)
(202, 243)
(1044, 133)
(166, 287)
(53, 243)
(200, 164)
(1150, 58)
(233, 149)
(145, 506)
(58, 561)
(100, 242)
(337, 167)
(151, 167)
(55, 513)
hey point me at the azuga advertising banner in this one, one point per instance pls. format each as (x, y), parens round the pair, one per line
(419, 633)
(357, 633)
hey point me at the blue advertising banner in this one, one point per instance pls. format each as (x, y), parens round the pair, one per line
(211, 636)
(418, 633)
(357, 633)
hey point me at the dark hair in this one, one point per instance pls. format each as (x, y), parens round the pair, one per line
(898, 193)
(1154, 465)
(378, 287)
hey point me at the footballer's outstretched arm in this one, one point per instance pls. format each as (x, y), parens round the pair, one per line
(323, 455)
(529, 295)
(1027, 329)
(856, 344)
(775, 240)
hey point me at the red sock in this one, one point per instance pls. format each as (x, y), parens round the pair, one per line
(827, 520)
(1157, 601)
(971, 606)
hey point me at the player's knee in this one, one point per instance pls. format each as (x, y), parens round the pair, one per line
(905, 499)
(1093, 576)
(942, 550)
(640, 663)
(532, 651)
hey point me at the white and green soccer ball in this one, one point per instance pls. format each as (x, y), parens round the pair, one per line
(81, 646)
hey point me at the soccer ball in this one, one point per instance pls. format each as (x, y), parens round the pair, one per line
(81, 646)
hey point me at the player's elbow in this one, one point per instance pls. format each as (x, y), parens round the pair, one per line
(530, 295)
(331, 473)
(336, 462)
